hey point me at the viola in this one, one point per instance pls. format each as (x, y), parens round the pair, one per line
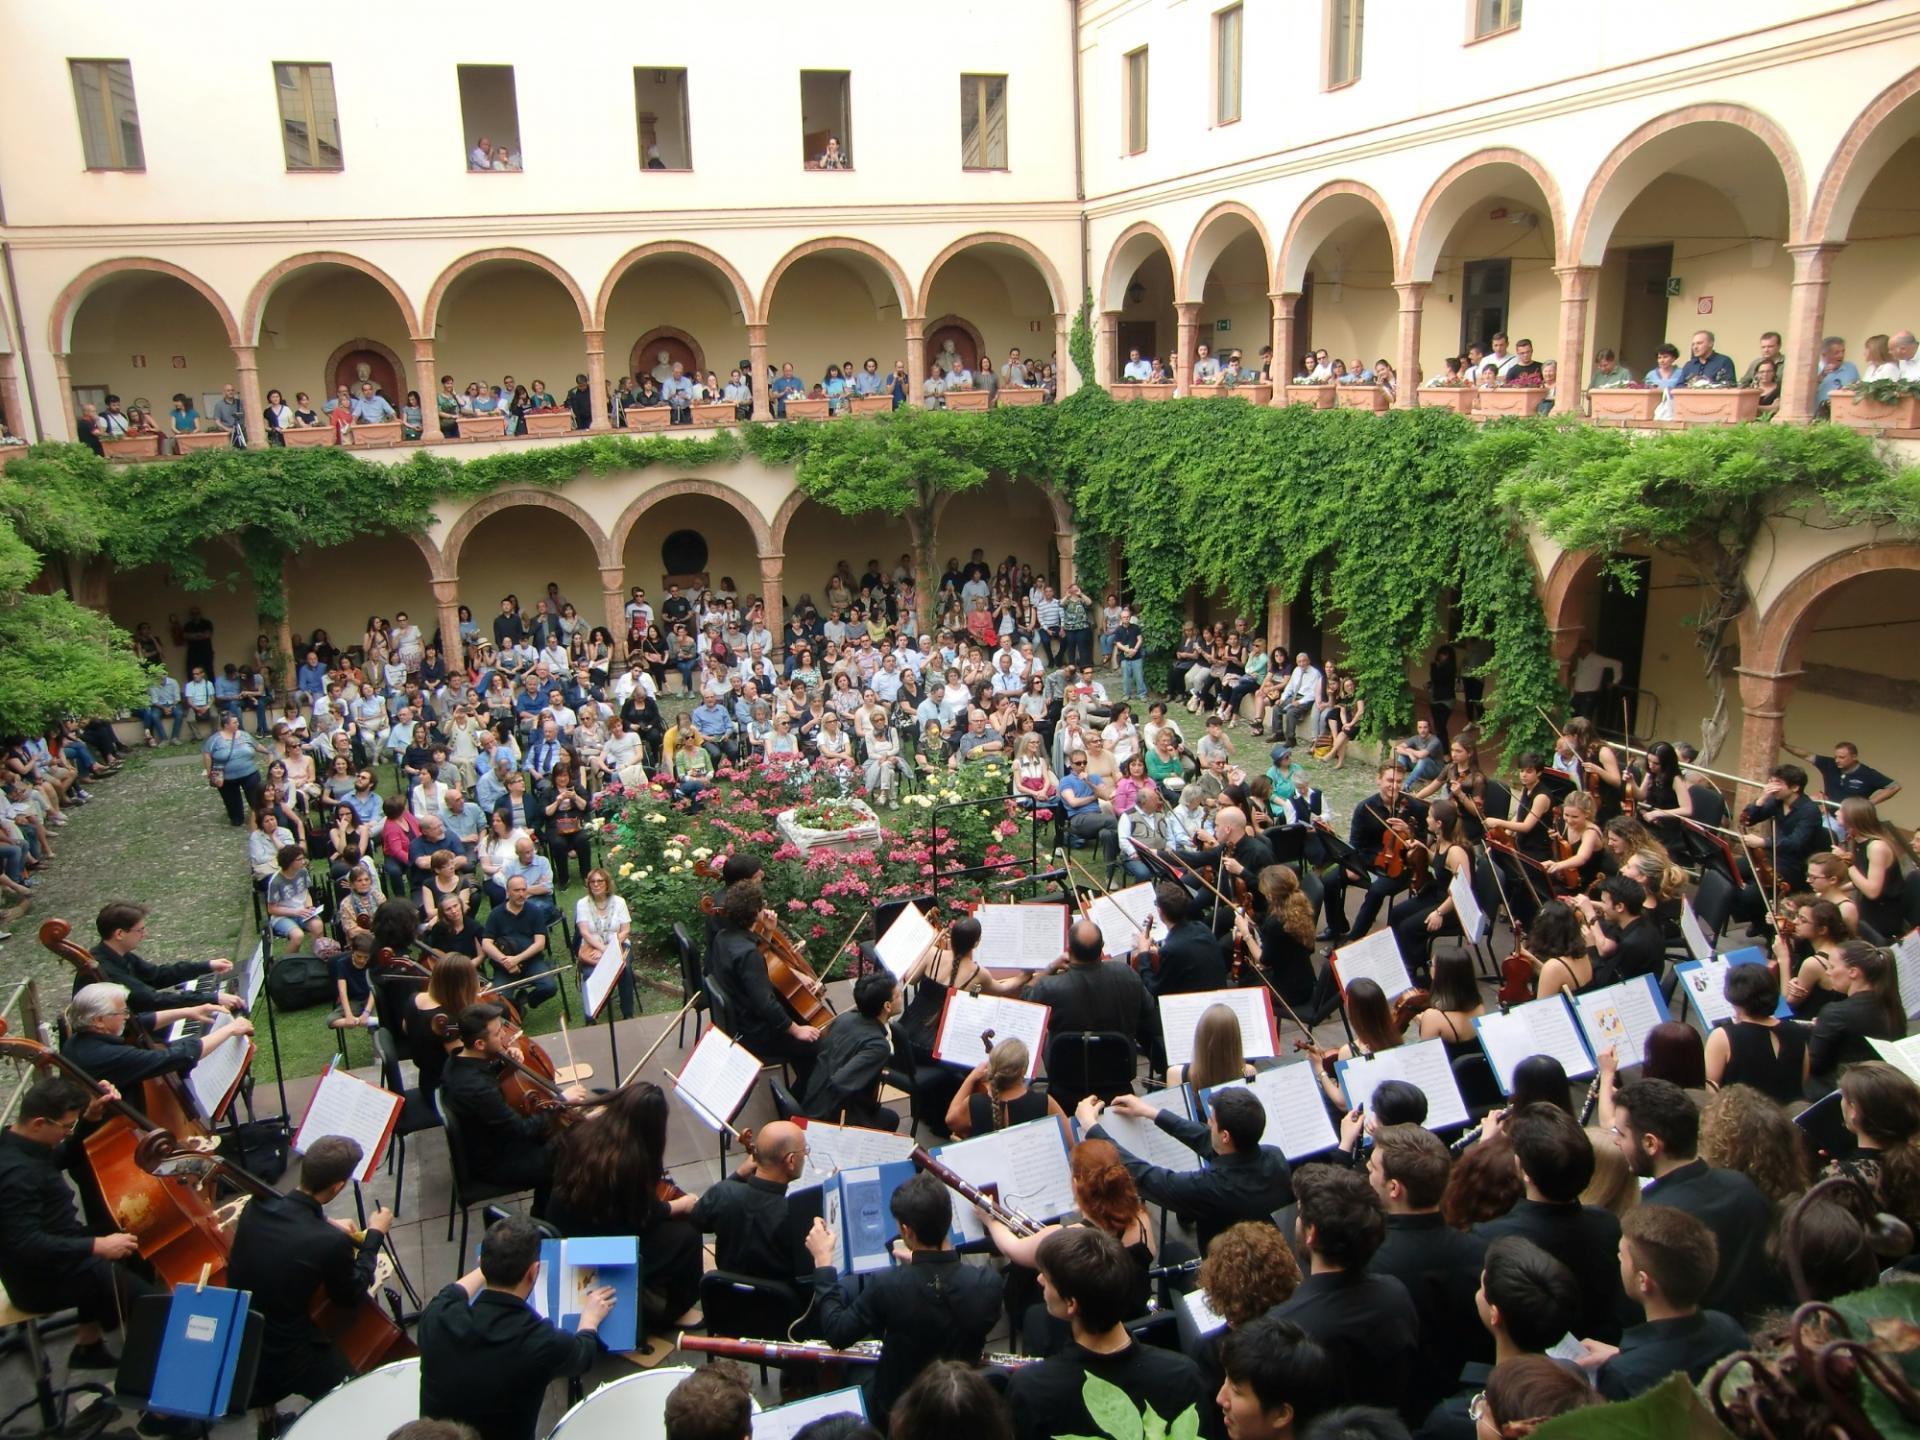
(1327, 1060)
(1409, 1005)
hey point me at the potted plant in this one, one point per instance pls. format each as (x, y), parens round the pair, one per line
(1512, 397)
(1702, 402)
(1302, 390)
(300, 437)
(1629, 404)
(131, 447)
(1877, 405)
(1456, 395)
(1362, 397)
(201, 440)
(840, 824)
(553, 421)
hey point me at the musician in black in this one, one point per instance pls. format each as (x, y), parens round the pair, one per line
(845, 1084)
(97, 1019)
(122, 926)
(1602, 773)
(1621, 934)
(760, 1017)
(1796, 831)
(285, 1251)
(1190, 957)
(502, 1146)
(1090, 993)
(1530, 832)
(1236, 854)
(746, 1213)
(930, 1307)
(1373, 818)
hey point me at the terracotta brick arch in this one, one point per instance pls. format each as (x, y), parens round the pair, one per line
(1783, 629)
(1558, 585)
(1013, 242)
(430, 312)
(1869, 143)
(605, 555)
(1197, 263)
(1305, 234)
(790, 507)
(1455, 192)
(67, 304)
(1136, 242)
(763, 534)
(826, 244)
(682, 249)
(1056, 502)
(256, 308)
(1591, 229)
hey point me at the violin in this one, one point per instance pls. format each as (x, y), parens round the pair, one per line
(1516, 974)
(1409, 1005)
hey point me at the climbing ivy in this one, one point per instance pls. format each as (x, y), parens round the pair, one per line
(1080, 341)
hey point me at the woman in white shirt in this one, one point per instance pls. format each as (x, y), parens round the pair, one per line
(834, 742)
(1877, 362)
(884, 769)
(780, 746)
(601, 918)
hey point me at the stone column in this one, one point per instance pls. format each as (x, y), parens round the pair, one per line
(1576, 297)
(1286, 339)
(757, 358)
(613, 584)
(772, 567)
(915, 329)
(597, 377)
(1279, 617)
(63, 378)
(446, 603)
(246, 379)
(1406, 357)
(1063, 542)
(11, 410)
(1188, 317)
(1106, 349)
(1068, 378)
(428, 384)
(1763, 697)
(1806, 327)
(1566, 639)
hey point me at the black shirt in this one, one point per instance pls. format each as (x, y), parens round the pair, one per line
(1440, 1267)
(125, 1065)
(1241, 1186)
(1752, 1060)
(488, 1364)
(494, 1133)
(1369, 827)
(1741, 1218)
(1797, 834)
(1641, 951)
(285, 1251)
(937, 1308)
(466, 941)
(513, 933)
(1862, 780)
(1585, 1239)
(1368, 1327)
(748, 1220)
(1190, 960)
(1651, 1352)
(846, 1076)
(734, 959)
(41, 1238)
(1107, 995)
(145, 981)
(1046, 1398)
(1840, 1035)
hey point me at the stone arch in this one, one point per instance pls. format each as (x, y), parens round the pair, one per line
(763, 534)
(667, 332)
(1056, 502)
(436, 567)
(1296, 250)
(1447, 201)
(430, 312)
(256, 308)
(686, 249)
(1592, 226)
(463, 527)
(1557, 586)
(902, 289)
(1782, 630)
(1136, 242)
(932, 328)
(997, 237)
(402, 377)
(1191, 283)
(67, 304)
(1868, 144)
(790, 507)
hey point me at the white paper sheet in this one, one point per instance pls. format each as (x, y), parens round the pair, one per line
(1906, 969)
(1699, 945)
(783, 1422)
(253, 974)
(1473, 920)
(1020, 937)
(1028, 1164)
(212, 1081)
(1205, 1318)
(1146, 1140)
(1123, 914)
(832, 1148)
(968, 1017)
(600, 982)
(1296, 1106)
(1539, 1027)
(1180, 1017)
(1904, 1055)
(1620, 1016)
(344, 1104)
(905, 942)
(716, 1078)
(1423, 1065)
(1375, 956)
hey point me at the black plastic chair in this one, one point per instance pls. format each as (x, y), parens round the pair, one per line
(929, 1088)
(467, 1190)
(693, 988)
(1496, 799)
(747, 1306)
(416, 1113)
(785, 1106)
(1709, 804)
(1288, 843)
(1479, 1086)
(1713, 903)
(1091, 1062)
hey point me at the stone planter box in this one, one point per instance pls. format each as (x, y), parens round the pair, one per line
(1362, 397)
(376, 436)
(1850, 409)
(1127, 391)
(131, 447)
(1716, 407)
(483, 427)
(968, 399)
(1514, 400)
(714, 413)
(807, 409)
(304, 436)
(1030, 395)
(548, 422)
(1314, 397)
(1458, 398)
(202, 440)
(872, 404)
(649, 417)
(11, 452)
(863, 836)
(1633, 407)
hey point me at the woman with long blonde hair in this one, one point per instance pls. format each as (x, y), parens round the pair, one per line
(1217, 1054)
(1877, 861)
(1282, 944)
(996, 1095)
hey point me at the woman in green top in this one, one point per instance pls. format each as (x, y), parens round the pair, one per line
(1163, 763)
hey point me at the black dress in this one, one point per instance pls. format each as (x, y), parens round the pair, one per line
(1030, 1106)
(1752, 1060)
(428, 1050)
(1288, 963)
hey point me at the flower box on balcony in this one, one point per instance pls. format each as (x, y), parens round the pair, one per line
(548, 422)
(649, 417)
(131, 447)
(807, 408)
(1363, 397)
(1026, 395)
(968, 399)
(1629, 407)
(11, 452)
(376, 436)
(872, 404)
(1132, 391)
(1714, 405)
(1459, 398)
(1509, 400)
(300, 437)
(202, 440)
(484, 427)
(714, 413)
(1314, 397)
(1901, 413)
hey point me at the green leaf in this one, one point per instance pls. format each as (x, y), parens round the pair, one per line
(1112, 1409)
(1669, 1411)
(1186, 1425)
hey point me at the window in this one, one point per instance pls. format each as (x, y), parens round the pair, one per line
(109, 124)
(983, 122)
(1346, 19)
(1137, 101)
(660, 109)
(1490, 17)
(490, 116)
(1226, 65)
(826, 119)
(309, 118)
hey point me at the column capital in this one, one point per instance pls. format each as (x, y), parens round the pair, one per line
(596, 341)
(445, 591)
(1576, 281)
(245, 357)
(613, 577)
(1187, 310)
(1812, 249)
(1415, 288)
(757, 333)
(422, 347)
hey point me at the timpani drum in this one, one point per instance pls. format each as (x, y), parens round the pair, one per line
(374, 1404)
(631, 1408)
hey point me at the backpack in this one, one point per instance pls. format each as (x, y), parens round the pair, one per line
(298, 982)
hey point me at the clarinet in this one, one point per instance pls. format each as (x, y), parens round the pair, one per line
(1591, 1100)
(1018, 1223)
(1467, 1139)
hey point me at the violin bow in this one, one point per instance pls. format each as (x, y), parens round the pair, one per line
(834, 959)
(641, 1064)
(1260, 970)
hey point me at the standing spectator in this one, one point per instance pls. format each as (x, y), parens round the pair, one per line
(1593, 673)
(580, 402)
(1769, 354)
(231, 762)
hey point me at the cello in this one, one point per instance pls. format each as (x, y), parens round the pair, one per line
(792, 978)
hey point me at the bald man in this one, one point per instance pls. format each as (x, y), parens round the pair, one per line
(747, 1212)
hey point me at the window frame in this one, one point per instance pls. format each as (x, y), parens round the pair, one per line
(1511, 12)
(305, 69)
(110, 122)
(1236, 14)
(468, 128)
(983, 106)
(686, 116)
(1130, 90)
(842, 132)
(1351, 41)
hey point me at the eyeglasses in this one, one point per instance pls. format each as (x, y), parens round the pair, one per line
(1477, 1407)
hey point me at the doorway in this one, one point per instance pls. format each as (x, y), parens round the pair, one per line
(1643, 310)
(1138, 335)
(1487, 287)
(1620, 631)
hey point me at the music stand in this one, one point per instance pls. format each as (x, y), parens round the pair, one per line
(140, 1356)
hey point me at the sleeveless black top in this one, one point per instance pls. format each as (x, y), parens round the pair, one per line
(1754, 1063)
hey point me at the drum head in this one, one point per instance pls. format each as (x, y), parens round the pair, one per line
(376, 1403)
(631, 1408)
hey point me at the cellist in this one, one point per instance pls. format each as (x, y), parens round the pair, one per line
(97, 1019)
(761, 1016)
(503, 1147)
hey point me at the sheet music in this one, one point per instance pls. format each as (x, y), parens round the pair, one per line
(253, 974)
(344, 1104)
(1297, 1119)
(1375, 956)
(1020, 937)
(1123, 914)
(1694, 933)
(1028, 1164)
(1253, 1004)
(967, 1017)
(783, 1422)
(1539, 1027)
(716, 1078)
(1205, 1318)
(1620, 1016)
(905, 942)
(832, 1148)
(1145, 1139)
(1904, 1055)
(212, 1081)
(1423, 1065)
(1473, 920)
(1703, 984)
(599, 982)
(1906, 969)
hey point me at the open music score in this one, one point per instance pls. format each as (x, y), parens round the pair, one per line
(1297, 1120)
(1699, 943)
(1027, 1164)
(1473, 920)
(597, 986)
(965, 1018)
(783, 1422)
(1374, 956)
(716, 1078)
(1903, 1055)
(1146, 1140)
(1703, 986)
(1539, 1027)
(1123, 916)
(832, 1148)
(1020, 937)
(1621, 1016)
(1423, 1065)
(216, 1079)
(1253, 1005)
(1906, 968)
(344, 1104)
(251, 975)
(905, 942)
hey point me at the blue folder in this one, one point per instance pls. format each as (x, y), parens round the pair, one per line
(199, 1352)
(615, 1260)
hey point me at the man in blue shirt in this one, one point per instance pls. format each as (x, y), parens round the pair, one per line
(1706, 366)
(1836, 372)
(492, 786)
(226, 691)
(310, 677)
(370, 407)
(163, 701)
(545, 752)
(716, 729)
(679, 394)
(787, 384)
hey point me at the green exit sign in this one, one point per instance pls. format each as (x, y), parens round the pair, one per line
(1223, 325)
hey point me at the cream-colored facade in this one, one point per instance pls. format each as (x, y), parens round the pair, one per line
(1587, 178)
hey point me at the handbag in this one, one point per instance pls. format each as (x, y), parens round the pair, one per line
(216, 777)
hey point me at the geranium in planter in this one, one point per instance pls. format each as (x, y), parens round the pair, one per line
(1877, 405)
